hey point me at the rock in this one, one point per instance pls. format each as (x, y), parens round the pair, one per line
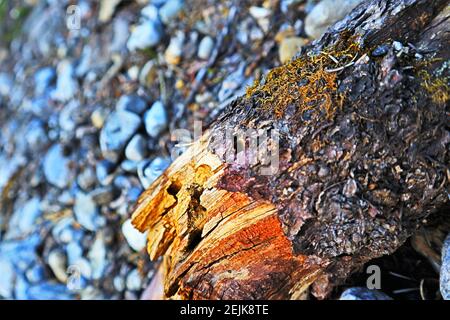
(70, 116)
(97, 256)
(104, 170)
(174, 51)
(103, 195)
(170, 10)
(205, 48)
(380, 50)
(134, 280)
(36, 136)
(360, 293)
(155, 119)
(121, 34)
(262, 15)
(49, 291)
(444, 278)
(86, 212)
(43, 78)
(136, 149)
(57, 263)
(289, 46)
(56, 167)
(136, 240)
(149, 171)
(132, 103)
(119, 283)
(35, 273)
(150, 12)
(7, 275)
(66, 85)
(65, 232)
(325, 13)
(23, 220)
(6, 84)
(107, 8)
(145, 35)
(86, 179)
(117, 131)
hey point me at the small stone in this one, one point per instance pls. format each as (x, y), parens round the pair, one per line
(107, 8)
(150, 12)
(56, 167)
(104, 170)
(205, 48)
(350, 188)
(7, 275)
(289, 46)
(380, 50)
(134, 280)
(136, 149)
(86, 179)
(155, 119)
(98, 117)
(103, 195)
(262, 15)
(325, 13)
(23, 221)
(444, 278)
(66, 84)
(397, 45)
(132, 103)
(118, 129)
(360, 293)
(170, 10)
(174, 51)
(86, 211)
(97, 256)
(145, 35)
(136, 240)
(148, 172)
(43, 78)
(6, 84)
(57, 262)
(119, 283)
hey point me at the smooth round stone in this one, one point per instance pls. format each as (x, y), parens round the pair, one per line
(205, 48)
(155, 119)
(136, 240)
(132, 103)
(56, 167)
(134, 280)
(145, 35)
(57, 263)
(170, 10)
(104, 170)
(360, 293)
(118, 129)
(136, 149)
(86, 212)
(43, 78)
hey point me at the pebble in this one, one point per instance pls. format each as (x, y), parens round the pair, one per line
(136, 240)
(6, 84)
(261, 15)
(118, 129)
(103, 195)
(155, 119)
(86, 211)
(170, 10)
(104, 170)
(56, 167)
(35, 135)
(7, 275)
(360, 293)
(97, 256)
(43, 78)
(205, 48)
(380, 50)
(325, 13)
(57, 263)
(134, 280)
(174, 51)
(444, 279)
(86, 179)
(66, 85)
(148, 74)
(107, 8)
(23, 220)
(132, 103)
(136, 149)
(145, 35)
(149, 171)
(290, 46)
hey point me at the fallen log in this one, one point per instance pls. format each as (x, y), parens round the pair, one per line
(352, 159)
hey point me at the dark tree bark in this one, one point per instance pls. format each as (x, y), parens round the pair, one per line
(362, 124)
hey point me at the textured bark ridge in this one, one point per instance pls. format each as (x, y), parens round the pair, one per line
(363, 160)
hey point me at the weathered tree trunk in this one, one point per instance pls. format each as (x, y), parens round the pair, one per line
(360, 125)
